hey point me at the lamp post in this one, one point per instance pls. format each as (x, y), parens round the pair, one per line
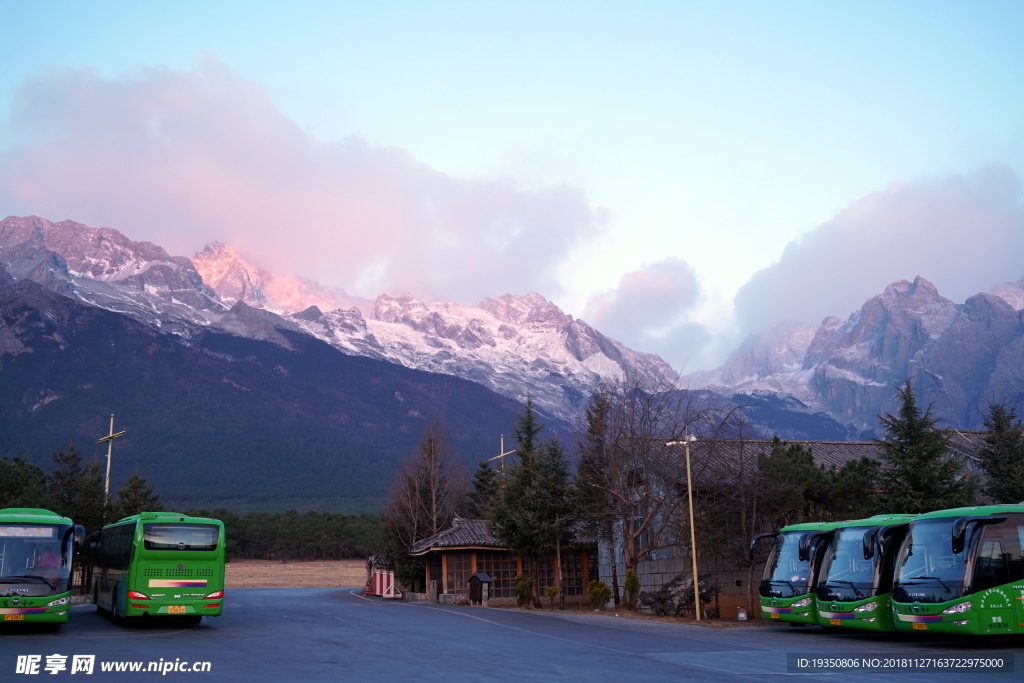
(109, 439)
(687, 439)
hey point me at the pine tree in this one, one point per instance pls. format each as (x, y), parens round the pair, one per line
(22, 484)
(135, 496)
(485, 491)
(918, 473)
(1002, 456)
(531, 515)
(76, 490)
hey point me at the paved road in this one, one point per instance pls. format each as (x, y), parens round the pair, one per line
(337, 634)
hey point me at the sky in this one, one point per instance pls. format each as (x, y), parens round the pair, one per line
(678, 174)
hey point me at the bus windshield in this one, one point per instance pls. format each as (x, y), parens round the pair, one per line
(845, 574)
(35, 559)
(927, 569)
(172, 536)
(786, 575)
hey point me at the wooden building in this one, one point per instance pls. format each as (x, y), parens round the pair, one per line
(452, 556)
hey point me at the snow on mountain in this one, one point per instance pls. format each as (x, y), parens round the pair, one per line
(959, 357)
(515, 345)
(235, 279)
(104, 268)
(1011, 293)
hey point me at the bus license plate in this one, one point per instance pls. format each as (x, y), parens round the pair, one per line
(176, 609)
(775, 615)
(919, 626)
(14, 617)
(835, 622)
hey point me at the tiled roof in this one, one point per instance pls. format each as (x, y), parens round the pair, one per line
(463, 533)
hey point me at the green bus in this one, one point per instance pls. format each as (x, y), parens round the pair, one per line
(856, 573)
(37, 551)
(791, 573)
(961, 571)
(159, 564)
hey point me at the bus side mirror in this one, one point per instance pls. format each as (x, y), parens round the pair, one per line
(960, 529)
(755, 539)
(79, 541)
(869, 542)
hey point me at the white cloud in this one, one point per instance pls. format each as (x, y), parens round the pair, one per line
(182, 158)
(964, 233)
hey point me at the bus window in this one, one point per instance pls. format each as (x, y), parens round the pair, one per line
(167, 536)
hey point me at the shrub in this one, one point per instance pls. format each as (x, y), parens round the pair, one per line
(598, 593)
(632, 587)
(550, 592)
(524, 590)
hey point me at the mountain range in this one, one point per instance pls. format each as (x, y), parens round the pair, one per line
(959, 358)
(294, 392)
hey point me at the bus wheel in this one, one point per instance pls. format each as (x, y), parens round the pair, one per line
(114, 618)
(194, 620)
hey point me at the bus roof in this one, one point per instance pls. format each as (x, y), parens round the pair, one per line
(879, 520)
(36, 515)
(972, 511)
(165, 516)
(811, 526)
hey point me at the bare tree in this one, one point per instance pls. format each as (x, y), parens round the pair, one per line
(425, 495)
(631, 464)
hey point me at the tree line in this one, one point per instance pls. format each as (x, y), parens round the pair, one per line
(629, 483)
(76, 489)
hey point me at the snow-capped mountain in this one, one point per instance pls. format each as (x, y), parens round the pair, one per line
(102, 267)
(514, 345)
(959, 357)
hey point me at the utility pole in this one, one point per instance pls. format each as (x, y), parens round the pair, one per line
(109, 439)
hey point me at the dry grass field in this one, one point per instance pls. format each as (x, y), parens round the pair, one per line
(297, 574)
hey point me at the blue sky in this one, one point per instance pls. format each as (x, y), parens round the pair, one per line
(678, 174)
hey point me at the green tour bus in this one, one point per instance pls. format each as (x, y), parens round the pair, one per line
(791, 572)
(37, 551)
(856, 573)
(159, 564)
(961, 571)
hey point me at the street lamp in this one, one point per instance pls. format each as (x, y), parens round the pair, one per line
(687, 440)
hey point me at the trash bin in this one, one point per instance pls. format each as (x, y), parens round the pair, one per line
(477, 582)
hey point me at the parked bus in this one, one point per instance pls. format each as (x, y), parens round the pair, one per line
(791, 573)
(37, 551)
(856, 573)
(961, 571)
(158, 564)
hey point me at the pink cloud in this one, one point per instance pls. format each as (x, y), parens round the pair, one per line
(645, 310)
(183, 158)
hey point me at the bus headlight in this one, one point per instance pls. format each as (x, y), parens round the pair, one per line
(803, 602)
(959, 608)
(866, 607)
(59, 601)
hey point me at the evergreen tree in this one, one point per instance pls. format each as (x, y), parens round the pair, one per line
(76, 490)
(22, 484)
(135, 496)
(918, 473)
(526, 431)
(485, 491)
(532, 513)
(794, 487)
(1002, 456)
